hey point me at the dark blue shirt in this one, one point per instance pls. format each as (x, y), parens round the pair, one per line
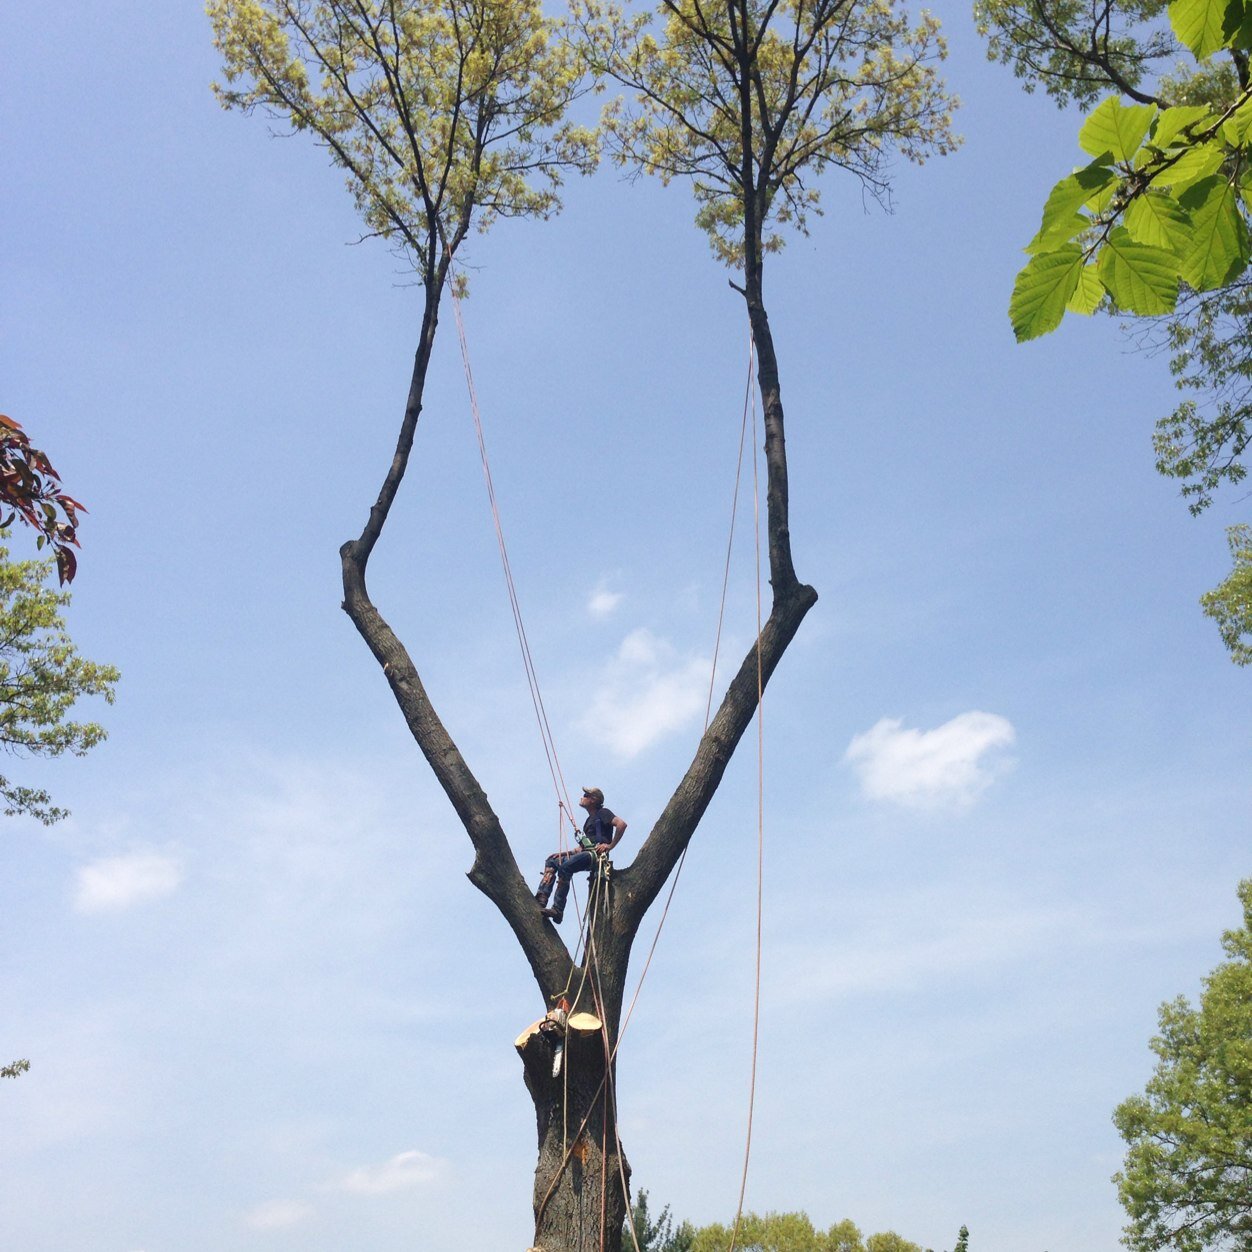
(599, 826)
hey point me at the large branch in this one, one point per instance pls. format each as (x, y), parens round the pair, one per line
(782, 573)
(640, 883)
(494, 872)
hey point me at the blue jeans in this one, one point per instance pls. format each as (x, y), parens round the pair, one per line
(562, 866)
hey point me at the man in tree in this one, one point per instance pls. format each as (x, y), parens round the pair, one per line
(602, 832)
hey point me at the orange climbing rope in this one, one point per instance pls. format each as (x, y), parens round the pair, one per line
(532, 678)
(760, 839)
(611, 1054)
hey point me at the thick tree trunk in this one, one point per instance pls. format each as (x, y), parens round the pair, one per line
(579, 1199)
(582, 1178)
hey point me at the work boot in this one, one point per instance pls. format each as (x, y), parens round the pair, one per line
(555, 914)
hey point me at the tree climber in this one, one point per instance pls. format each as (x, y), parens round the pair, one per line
(602, 831)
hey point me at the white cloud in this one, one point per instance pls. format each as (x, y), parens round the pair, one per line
(602, 601)
(646, 692)
(277, 1214)
(948, 767)
(114, 883)
(407, 1169)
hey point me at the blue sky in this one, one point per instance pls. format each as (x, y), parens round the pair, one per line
(1007, 791)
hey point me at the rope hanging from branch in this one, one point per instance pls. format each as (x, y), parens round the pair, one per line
(586, 937)
(528, 661)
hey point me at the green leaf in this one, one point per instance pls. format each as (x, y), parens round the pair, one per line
(1089, 292)
(1071, 193)
(1097, 203)
(1219, 240)
(1239, 34)
(1059, 232)
(1200, 24)
(1141, 279)
(1191, 167)
(1041, 291)
(1236, 127)
(1158, 219)
(1170, 123)
(1116, 127)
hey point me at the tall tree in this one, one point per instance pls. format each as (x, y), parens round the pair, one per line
(1187, 1181)
(1156, 222)
(446, 113)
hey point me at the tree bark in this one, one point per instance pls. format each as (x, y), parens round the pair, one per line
(579, 1199)
(582, 1176)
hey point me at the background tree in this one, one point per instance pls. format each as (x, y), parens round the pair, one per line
(42, 677)
(1187, 1180)
(447, 113)
(1156, 222)
(795, 1232)
(1229, 604)
(659, 1235)
(889, 1241)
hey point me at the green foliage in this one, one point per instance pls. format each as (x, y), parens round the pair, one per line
(1168, 189)
(795, 1232)
(889, 1241)
(439, 112)
(754, 100)
(1044, 289)
(655, 1236)
(1229, 604)
(844, 1236)
(1211, 347)
(1186, 1180)
(1157, 225)
(12, 1071)
(41, 678)
(773, 1232)
(1176, 215)
(1073, 50)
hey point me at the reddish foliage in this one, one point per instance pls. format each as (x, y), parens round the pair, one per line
(31, 489)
